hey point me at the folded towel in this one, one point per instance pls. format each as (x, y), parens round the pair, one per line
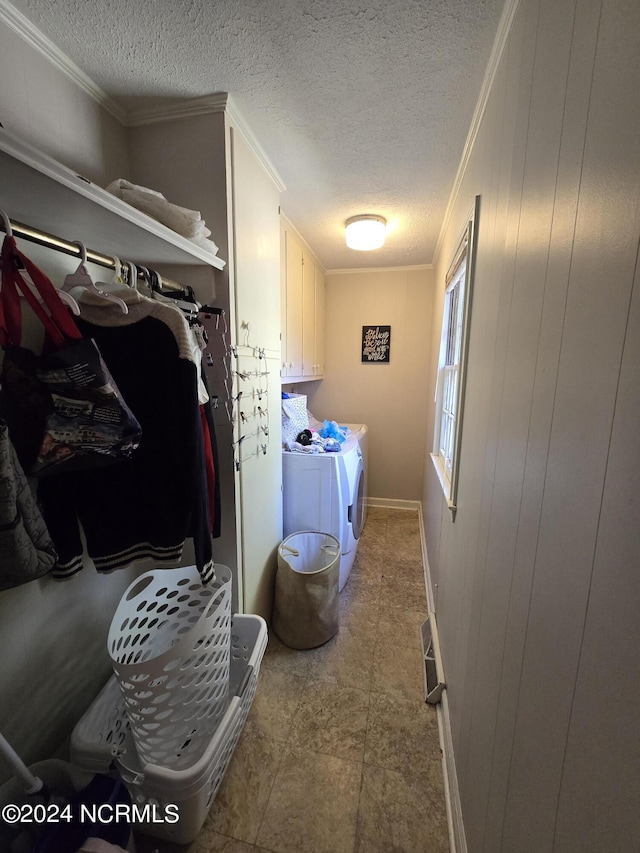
(207, 245)
(116, 187)
(179, 219)
(188, 223)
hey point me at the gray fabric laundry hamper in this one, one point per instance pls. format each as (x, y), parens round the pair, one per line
(305, 610)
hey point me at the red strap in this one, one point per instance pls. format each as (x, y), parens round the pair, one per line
(58, 322)
(210, 471)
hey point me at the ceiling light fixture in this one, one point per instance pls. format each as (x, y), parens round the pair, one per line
(365, 232)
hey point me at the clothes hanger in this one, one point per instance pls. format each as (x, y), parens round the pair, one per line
(67, 298)
(146, 282)
(117, 282)
(117, 275)
(132, 275)
(82, 280)
(182, 299)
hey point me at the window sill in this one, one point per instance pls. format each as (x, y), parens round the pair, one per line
(445, 484)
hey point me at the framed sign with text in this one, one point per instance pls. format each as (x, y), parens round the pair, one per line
(376, 344)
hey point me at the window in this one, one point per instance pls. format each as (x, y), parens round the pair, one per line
(450, 380)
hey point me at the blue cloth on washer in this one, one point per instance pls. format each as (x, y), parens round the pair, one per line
(330, 429)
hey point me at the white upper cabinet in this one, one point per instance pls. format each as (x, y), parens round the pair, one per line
(319, 321)
(303, 286)
(308, 316)
(292, 305)
(256, 227)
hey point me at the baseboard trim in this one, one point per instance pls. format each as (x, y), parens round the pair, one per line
(425, 564)
(457, 837)
(393, 503)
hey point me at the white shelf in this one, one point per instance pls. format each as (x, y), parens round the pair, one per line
(43, 194)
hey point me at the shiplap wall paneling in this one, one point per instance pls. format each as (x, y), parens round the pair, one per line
(544, 761)
(604, 254)
(556, 277)
(502, 134)
(523, 286)
(494, 208)
(492, 342)
(603, 741)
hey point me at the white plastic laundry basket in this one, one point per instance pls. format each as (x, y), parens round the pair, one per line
(103, 738)
(169, 646)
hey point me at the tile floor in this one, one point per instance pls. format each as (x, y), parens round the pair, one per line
(340, 753)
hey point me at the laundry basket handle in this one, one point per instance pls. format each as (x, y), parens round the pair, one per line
(291, 550)
(331, 549)
(131, 777)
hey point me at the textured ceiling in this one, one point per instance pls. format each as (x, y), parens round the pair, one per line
(363, 106)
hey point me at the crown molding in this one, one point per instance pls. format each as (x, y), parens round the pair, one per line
(215, 103)
(369, 270)
(239, 123)
(499, 44)
(219, 102)
(29, 33)
(183, 108)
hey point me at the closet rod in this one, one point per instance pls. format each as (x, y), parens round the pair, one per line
(50, 241)
(57, 243)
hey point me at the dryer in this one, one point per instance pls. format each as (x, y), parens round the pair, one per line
(326, 492)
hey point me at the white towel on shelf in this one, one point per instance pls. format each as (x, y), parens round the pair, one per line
(188, 223)
(208, 245)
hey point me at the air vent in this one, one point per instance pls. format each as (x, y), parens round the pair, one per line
(434, 682)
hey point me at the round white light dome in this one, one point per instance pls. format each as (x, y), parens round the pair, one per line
(365, 232)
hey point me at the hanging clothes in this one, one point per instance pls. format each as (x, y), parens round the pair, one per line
(26, 549)
(212, 464)
(147, 506)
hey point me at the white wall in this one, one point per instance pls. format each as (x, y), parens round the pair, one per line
(44, 107)
(52, 633)
(390, 398)
(538, 577)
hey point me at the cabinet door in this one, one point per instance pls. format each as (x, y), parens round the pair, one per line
(283, 299)
(320, 315)
(256, 230)
(308, 316)
(293, 325)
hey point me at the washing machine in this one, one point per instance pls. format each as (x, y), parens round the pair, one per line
(326, 492)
